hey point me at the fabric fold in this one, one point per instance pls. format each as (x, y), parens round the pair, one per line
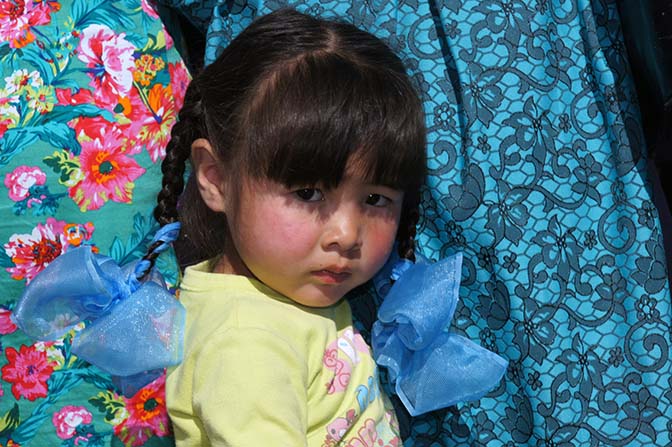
(131, 326)
(431, 368)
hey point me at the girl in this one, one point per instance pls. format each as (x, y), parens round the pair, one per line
(307, 144)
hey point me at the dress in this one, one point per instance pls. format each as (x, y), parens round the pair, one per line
(259, 369)
(537, 173)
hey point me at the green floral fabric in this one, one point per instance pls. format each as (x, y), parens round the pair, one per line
(89, 92)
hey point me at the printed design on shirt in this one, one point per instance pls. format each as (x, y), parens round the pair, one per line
(341, 356)
(371, 434)
(368, 394)
(337, 429)
(386, 433)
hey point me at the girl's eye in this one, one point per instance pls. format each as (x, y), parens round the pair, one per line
(378, 200)
(309, 194)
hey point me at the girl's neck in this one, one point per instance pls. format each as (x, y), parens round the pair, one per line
(230, 263)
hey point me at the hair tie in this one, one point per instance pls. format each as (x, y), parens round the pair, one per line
(131, 327)
(163, 238)
(430, 367)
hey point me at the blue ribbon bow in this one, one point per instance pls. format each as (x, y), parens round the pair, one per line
(430, 368)
(132, 326)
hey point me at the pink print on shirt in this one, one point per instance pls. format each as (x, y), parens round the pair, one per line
(341, 356)
(369, 434)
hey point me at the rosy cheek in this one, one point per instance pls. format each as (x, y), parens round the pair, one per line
(380, 242)
(292, 240)
(290, 234)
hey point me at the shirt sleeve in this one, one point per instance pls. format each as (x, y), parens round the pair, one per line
(250, 389)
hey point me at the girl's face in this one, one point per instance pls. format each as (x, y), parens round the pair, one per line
(311, 244)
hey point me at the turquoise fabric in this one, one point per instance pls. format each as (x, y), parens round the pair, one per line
(537, 174)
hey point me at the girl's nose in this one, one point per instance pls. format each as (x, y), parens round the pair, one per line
(343, 230)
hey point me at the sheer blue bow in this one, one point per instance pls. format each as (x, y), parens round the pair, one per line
(430, 368)
(131, 327)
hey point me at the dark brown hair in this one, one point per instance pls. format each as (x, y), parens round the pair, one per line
(292, 99)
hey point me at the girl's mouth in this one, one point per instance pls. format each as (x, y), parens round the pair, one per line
(332, 277)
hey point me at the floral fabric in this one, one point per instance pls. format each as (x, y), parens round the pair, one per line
(88, 94)
(537, 175)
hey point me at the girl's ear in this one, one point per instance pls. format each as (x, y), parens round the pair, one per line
(209, 175)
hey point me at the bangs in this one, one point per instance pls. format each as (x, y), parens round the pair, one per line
(319, 112)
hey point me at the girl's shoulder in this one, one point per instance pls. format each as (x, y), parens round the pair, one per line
(220, 305)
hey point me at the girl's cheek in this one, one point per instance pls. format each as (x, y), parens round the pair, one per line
(381, 240)
(296, 240)
(291, 233)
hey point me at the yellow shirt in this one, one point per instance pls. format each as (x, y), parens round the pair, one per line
(261, 370)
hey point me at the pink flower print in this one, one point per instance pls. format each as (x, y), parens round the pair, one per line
(109, 58)
(31, 253)
(18, 17)
(108, 174)
(88, 129)
(366, 436)
(157, 120)
(28, 371)
(65, 96)
(21, 179)
(131, 121)
(7, 326)
(179, 80)
(147, 415)
(68, 418)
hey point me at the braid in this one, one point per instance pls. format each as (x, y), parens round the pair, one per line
(407, 227)
(187, 129)
(189, 126)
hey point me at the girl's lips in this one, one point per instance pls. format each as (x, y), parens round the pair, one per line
(331, 277)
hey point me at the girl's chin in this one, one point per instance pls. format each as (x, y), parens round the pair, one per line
(320, 295)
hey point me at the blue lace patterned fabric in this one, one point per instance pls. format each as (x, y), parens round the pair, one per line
(537, 174)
